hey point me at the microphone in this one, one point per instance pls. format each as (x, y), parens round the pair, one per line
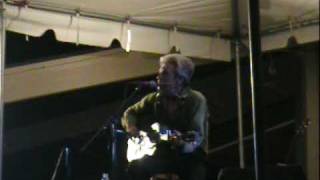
(145, 84)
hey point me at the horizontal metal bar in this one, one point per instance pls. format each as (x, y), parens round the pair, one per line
(235, 142)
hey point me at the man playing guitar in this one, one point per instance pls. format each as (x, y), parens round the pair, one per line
(182, 110)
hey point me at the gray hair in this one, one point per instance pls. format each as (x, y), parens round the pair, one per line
(184, 65)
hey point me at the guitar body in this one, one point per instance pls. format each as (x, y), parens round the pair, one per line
(146, 143)
(140, 146)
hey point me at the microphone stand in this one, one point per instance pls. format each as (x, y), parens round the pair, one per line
(57, 165)
(64, 151)
(110, 125)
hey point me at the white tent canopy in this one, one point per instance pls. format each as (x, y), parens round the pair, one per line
(195, 27)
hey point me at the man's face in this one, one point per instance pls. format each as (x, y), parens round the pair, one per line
(168, 81)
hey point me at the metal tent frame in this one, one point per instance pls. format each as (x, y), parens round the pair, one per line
(2, 62)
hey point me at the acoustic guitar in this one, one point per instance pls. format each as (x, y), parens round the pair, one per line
(145, 143)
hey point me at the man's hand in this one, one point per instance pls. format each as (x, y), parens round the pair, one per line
(177, 140)
(191, 146)
(133, 130)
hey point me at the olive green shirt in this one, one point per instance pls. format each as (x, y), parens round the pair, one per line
(190, 115)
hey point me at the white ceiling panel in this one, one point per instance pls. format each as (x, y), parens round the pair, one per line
(155, 26)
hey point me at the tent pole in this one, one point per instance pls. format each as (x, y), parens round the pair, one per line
(256, 85)
(2, 56)
(239, 103)
(235, 50)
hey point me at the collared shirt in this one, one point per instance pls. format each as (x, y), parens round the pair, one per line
(190, 113)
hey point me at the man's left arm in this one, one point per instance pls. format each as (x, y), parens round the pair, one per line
(199, 119)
